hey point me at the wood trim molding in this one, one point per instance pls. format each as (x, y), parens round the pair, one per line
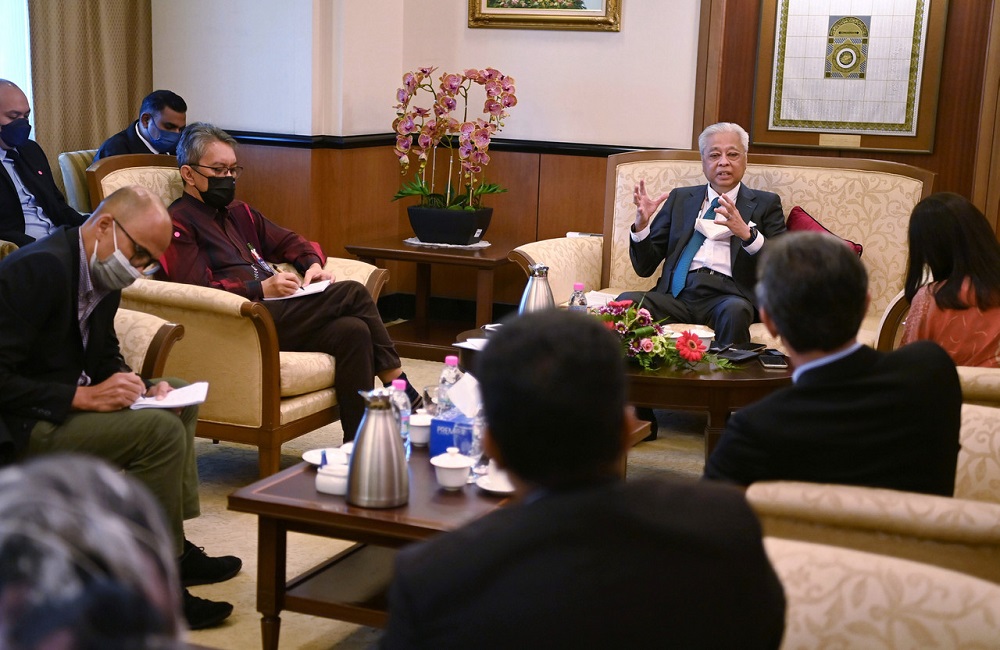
(708, 80)
(986, 173)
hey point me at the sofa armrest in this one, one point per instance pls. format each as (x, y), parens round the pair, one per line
(342, 268)
(230, 342)
(369, 275)
(956, 534)
(570, 259)
(145, 341)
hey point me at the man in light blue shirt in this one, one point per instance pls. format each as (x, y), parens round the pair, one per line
(31, 206)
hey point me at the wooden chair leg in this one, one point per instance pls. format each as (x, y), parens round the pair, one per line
(268, 460)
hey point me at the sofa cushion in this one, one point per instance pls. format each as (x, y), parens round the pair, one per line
(800, 220)
(305, 372)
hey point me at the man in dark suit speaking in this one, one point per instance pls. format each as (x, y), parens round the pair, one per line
(31, 206)
(582, 559)
(853, 415)
(710, 237)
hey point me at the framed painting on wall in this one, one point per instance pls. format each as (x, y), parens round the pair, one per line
(588, 15)
(849, 75)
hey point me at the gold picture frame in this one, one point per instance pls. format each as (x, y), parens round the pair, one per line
(606, 19)
(862, 132)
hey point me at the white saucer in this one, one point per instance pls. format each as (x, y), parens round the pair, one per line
(334, 456)
(486, 483)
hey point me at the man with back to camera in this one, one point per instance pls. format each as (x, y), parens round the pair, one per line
(710, 267)
(582, 559)
(31, 206)
(162, 117)
(64, 386)
(853, 415)
(222, 243)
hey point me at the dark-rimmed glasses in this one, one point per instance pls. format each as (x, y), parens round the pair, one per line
(141, 259)
(221, 170)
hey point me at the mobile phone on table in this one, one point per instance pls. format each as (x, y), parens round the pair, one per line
(773, 359)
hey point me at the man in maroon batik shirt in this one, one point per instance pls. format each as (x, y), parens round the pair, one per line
(226, 244)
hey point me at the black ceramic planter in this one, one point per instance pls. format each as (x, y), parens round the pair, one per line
(442, 226)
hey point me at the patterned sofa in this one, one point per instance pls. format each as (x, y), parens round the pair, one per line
(864, 201)
(845, 598)
(960, 533)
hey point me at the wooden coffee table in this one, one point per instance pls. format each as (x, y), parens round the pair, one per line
(718, 392)
(352, 585)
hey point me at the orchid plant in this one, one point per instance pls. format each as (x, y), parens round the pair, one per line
(422, 131)
(649, 344)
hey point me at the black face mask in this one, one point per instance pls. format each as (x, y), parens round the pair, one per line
(221, 191)
(15, 133)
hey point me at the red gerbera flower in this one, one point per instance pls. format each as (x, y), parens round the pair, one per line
(690, 347)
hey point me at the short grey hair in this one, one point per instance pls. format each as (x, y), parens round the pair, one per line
(815, 289)
(195, 139)
(77, 537)
(723, 127)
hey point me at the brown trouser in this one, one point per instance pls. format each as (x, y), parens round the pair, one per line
(343, 322)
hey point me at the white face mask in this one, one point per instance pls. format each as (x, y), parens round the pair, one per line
(114, 273)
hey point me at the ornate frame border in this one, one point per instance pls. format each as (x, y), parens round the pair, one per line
(608, 19)
(922, 141)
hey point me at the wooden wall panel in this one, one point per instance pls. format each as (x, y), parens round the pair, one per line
(963, 68)
(570, 195)
(276, 181)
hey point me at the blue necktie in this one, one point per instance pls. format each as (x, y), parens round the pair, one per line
(684, 261)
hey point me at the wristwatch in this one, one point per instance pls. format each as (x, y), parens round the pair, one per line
(753, 236)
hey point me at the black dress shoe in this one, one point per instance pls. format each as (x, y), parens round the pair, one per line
(199, 569)
(202, 613)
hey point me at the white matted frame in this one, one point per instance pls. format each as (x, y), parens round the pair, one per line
(595, 15)
(857, 76)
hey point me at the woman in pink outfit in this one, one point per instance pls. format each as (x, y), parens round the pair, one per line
(960, 308)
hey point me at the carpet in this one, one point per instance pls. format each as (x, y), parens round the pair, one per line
(225, 467)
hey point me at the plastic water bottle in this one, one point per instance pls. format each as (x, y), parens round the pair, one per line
(403, 407)
(578, 301)
(449, 377)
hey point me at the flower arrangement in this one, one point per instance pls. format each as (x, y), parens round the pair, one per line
(421, 131)
(648, 343)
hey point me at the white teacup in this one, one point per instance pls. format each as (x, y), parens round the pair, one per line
(420, 429)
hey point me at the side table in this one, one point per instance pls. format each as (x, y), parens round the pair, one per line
(422, 338)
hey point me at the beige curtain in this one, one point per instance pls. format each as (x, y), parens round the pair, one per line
(91, 65)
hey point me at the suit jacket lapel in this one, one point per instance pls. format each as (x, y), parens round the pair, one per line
(746, 203)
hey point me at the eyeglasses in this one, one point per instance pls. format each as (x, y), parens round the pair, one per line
(142, 259)
(235, 171)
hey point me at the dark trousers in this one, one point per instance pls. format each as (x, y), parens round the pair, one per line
(343, 322)
(709, 299)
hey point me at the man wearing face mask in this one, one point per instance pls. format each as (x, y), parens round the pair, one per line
(64, 386)
(162, 117)
(226, 244)
(31, 206)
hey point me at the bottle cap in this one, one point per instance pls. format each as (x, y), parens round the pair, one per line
(399, 384)
(577, 286)
(451, 360)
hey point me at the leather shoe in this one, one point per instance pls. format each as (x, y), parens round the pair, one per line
(202, 613)
(197, 568)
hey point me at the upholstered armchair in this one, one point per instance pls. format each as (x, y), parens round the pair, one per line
(845, 598)
(957, 534)
(73, 165)
(156, 172)
(257, 394)
(864, 201)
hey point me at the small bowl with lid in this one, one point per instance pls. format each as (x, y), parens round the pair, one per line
(452, 469)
